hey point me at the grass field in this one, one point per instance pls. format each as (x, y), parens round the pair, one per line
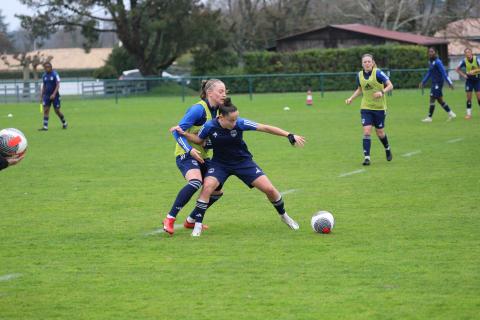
(78, 217)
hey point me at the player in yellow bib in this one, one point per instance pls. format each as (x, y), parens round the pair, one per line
(192, 159)
(373, 83)
(471, 64)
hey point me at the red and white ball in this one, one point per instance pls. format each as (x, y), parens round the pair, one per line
(12, 143)
(323, 222)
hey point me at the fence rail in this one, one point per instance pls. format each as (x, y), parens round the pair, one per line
(29, 91)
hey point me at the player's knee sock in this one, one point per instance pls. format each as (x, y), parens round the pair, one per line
(446, 107)
(431, 109)
(199, 211)
(279, 206)
(384, 141)
(213, 198)
(45, 122)
(469, 108)
(366, 145)
(62, 118)
(184, 195)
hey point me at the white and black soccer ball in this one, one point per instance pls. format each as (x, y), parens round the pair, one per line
(12, 142)
(322, 222)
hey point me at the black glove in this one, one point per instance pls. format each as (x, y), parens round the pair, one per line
(291, 138)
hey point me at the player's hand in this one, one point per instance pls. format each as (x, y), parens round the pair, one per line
(420, 85)
(451, 86)
(14, 160)
(378, 94)
(348, 101)
(196, 155)
(178, 129)
(299, 141)
(52, 97)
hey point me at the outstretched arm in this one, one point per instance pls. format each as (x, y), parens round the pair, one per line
(190, 136)
(293, 138)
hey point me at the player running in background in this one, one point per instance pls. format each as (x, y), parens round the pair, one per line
(10, 161)
(192, 159)
(437, 72)
(50, 95)
(471, 64)
(373, 83)
(231, 157)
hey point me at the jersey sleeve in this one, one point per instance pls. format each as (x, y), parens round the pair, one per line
(3, 163)
(443, 71)
(57, 77)
(427, 76)
(382, 77)
(246, 125)
(205, 130)
(193, 114)
(462, 64)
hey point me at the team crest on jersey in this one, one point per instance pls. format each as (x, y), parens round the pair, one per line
(51, 78)
(233, 133)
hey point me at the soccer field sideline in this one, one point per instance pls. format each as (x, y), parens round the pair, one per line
(74, 241)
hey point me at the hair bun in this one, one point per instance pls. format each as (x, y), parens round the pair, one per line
(227, 102)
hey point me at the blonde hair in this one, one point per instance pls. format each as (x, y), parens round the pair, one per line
(207, 85)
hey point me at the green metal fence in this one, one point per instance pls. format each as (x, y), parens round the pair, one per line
(83, 88)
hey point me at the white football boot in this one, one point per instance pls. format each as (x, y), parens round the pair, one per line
(289, 222)
(427, 119)
(451, 116)
(197, 230)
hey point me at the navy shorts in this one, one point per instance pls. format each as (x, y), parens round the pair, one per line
(186, 162)
(472, 85)
(247, 171)
(374, 118)
(47, 102)
(436, 90)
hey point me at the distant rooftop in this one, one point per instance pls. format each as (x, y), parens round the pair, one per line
(68, 58)
(378, 32)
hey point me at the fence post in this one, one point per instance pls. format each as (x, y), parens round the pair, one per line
(18, 93)
(5, 93)
(183, 90)
(116, 91)
(250, 88)
(321, 84)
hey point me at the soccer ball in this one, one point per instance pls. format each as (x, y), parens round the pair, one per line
(322, 222)
(12, 143)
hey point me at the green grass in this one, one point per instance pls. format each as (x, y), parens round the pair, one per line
(75, 214)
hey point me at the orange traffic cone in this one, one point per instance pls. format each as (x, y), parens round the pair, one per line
(309, 98)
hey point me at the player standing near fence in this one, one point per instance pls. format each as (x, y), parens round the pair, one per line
(50, 95)
(471, 64)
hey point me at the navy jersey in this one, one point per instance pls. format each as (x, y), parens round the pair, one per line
(50, 81)
(195, 116)
(463, 65)
(381, 77)
(437, 72)
(228, 145)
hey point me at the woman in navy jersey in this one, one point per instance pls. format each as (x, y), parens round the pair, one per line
(231, 157)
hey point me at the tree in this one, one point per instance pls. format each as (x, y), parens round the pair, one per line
(5, 41)
(154, 32)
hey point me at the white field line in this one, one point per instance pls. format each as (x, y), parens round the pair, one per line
(351, 173)
(10, 276)
(288, 191)
(455, 140)
(160, 230)
(409, 154)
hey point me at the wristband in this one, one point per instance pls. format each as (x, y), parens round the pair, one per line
(291, 138)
